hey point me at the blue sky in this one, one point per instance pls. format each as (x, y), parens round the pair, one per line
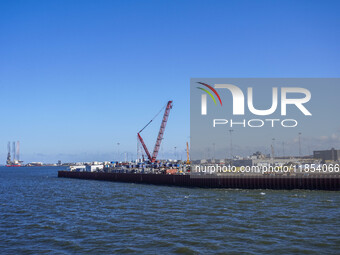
(76, 77)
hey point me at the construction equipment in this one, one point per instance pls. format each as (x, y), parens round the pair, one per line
(188, 160)
(152, 158)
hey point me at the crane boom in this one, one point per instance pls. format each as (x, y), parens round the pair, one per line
(144, 146)
(160, 134)
(188, 159)
(161, 131)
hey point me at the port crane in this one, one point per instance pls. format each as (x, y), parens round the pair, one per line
(152, 158)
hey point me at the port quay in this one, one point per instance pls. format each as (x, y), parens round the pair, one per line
(319, 171)
(280, 176)
(312, 182)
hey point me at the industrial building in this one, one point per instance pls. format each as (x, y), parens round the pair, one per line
(331, 154)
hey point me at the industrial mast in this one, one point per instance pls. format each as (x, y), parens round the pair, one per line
(8, 161)
(188, 159)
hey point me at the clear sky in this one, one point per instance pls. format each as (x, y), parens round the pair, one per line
(77, 77)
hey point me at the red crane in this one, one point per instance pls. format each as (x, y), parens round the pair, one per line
(160, 133)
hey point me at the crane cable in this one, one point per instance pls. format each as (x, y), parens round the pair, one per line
(153, 118)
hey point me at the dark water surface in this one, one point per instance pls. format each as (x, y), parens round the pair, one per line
(42, 213)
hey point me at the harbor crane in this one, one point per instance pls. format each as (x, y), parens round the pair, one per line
(152, 158)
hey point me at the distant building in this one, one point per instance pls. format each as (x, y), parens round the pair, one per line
(77, 168)
(258, 155)
(35, 164)
(331, 154)
(94, 168)
(242, 162)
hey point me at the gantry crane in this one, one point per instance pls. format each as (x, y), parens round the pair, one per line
(152, 158)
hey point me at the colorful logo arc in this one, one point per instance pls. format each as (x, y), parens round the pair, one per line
(209, 93)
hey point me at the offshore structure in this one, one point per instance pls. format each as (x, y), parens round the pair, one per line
(14, 159)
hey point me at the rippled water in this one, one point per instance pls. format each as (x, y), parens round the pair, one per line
(43, 213)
